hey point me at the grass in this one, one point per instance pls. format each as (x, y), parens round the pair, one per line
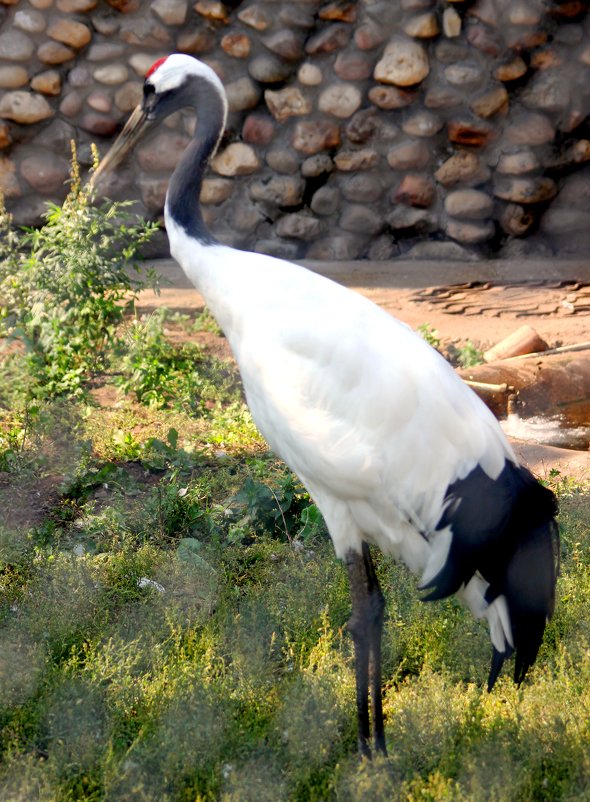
(173, 618)
(174, 628)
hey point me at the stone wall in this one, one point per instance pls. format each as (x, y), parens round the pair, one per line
(367, 128)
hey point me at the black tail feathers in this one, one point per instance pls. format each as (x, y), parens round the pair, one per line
(505, 530)
(529, 588)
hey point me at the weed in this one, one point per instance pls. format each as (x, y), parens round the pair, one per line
(465, 356)
(11, 446)
(161, 374)
(281, 508)
(65, 287)
(206, 322)
(189, 324)
(232, 429)
(430, 334)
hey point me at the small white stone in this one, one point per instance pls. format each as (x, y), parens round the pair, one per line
(13, 76)
(535, 189)
(423, 26)
(29, 21)
(422, 123)
(141, 62)
(144, 582)
(25, 107)
(171, 12)
(16, 46)
(99, 101)
(461, 74)
(9, 185)
(520, 13)
(309, 75)
(470, 233)
(215, 190)
(236, 159)
(161, 152)
(128, 96)
(242, 94)
(409, 155)
(470, 204)
(47, 82)
(287, 102)
(255, 16)
(44, 171)
(340, 100)
(564, 221)
(530, 129)
(105, 51)
(451, 23)
(404, 63)
(111, 74)
(519, 163)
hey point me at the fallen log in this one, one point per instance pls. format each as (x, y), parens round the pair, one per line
(524, 340)
(549, 385)
(562, 349)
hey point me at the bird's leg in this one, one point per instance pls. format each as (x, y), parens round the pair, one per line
(378, 611)
(365, 625)
(359, 631)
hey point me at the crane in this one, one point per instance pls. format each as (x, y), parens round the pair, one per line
(395, 450)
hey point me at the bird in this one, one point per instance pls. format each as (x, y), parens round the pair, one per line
(396, 451)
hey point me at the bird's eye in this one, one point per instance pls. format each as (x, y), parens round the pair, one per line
(149, 97)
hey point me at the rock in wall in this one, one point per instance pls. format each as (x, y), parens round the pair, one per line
(360, 128)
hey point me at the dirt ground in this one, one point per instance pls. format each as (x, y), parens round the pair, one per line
(473, 303)
(486, 314)
(480, 302)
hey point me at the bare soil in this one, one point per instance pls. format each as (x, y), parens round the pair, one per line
(27, 503)
(485, 313)
(474, 302)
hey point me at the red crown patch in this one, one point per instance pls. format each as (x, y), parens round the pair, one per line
(155, 66)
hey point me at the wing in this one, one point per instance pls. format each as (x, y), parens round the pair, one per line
(356, 402)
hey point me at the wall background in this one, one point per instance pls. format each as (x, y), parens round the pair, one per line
(361, 129)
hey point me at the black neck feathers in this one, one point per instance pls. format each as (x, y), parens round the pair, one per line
(184, 189)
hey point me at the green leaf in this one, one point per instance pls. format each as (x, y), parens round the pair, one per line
(188, 553)
(172, 438)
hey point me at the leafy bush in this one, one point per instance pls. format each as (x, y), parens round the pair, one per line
(66, 287)
(430, 334)
(162, 374)
(465, 356)
(259, 507)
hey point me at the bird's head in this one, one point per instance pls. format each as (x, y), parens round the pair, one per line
(171, 83)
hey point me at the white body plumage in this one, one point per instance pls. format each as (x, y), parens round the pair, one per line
(375, 423)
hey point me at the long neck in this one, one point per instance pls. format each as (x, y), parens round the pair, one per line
(184, 189)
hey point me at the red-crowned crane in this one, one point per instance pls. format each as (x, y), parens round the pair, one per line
(396, 451)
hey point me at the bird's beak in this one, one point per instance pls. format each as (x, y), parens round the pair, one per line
(131, 133)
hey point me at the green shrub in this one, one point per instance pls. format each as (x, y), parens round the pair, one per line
(162, 374)
(66, 287)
